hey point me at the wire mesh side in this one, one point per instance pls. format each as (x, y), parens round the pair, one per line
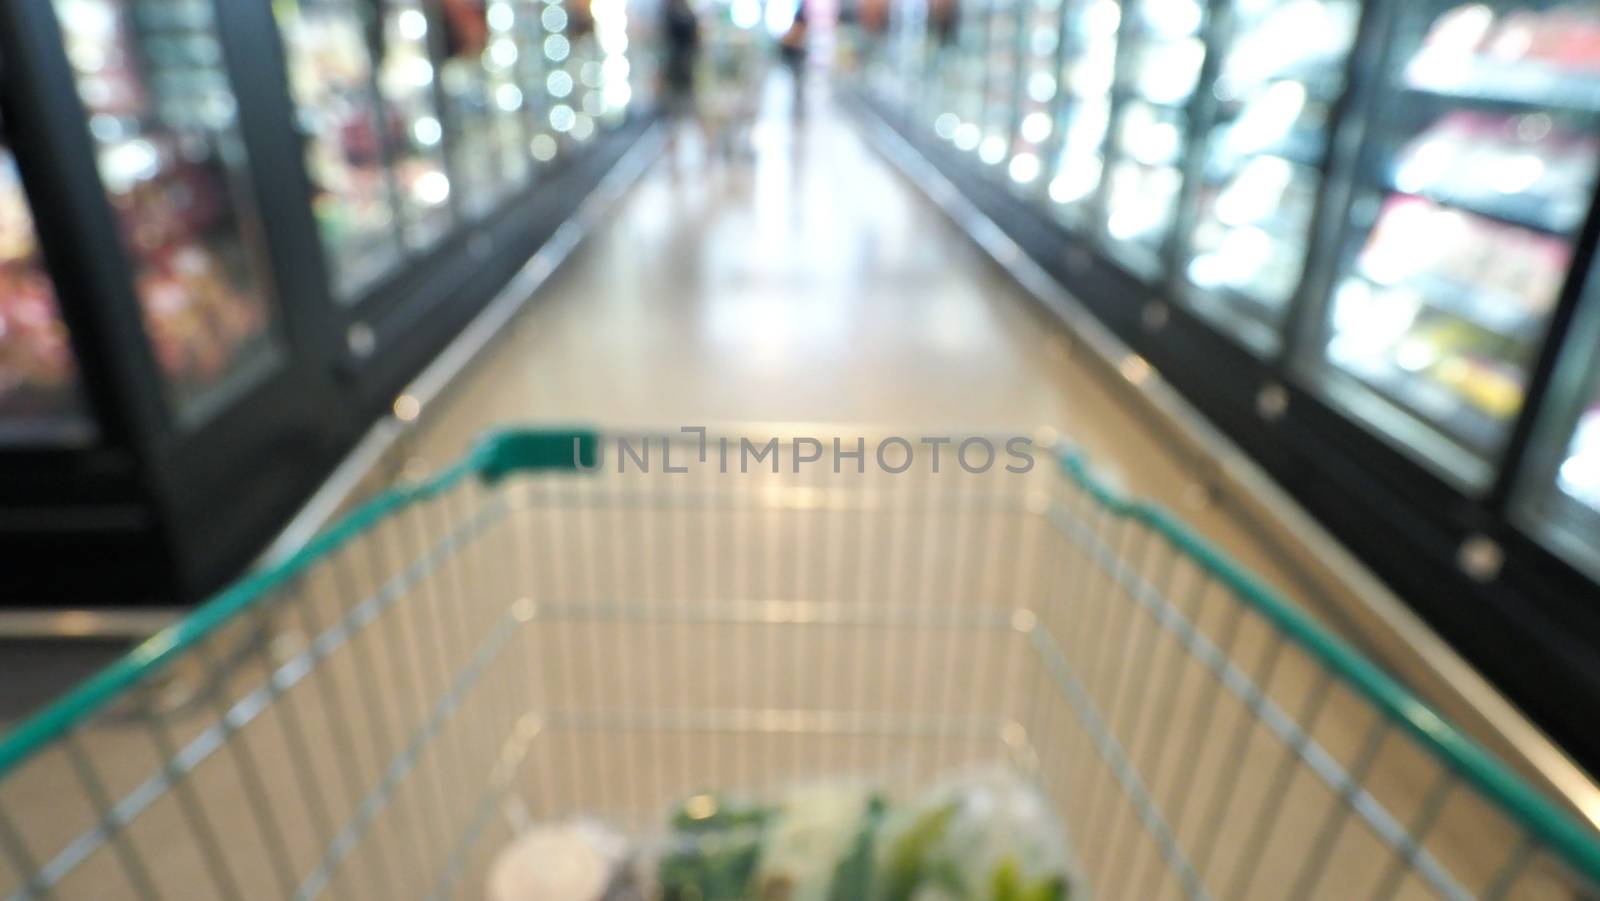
(607, 644)
(1202, 753)
(340, 753)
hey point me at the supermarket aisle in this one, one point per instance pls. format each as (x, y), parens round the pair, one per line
(810, 283)
(807, 284)
(814, 284)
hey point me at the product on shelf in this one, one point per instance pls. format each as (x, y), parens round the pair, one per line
(1166, 72)
(1468, 378)
(1526, 164)
(1495, 270)
(1561, 39)
(1297, 37)
(162, 119)
(1253, 232)
(1267, 119)
(1144, 184)
(1142, 201)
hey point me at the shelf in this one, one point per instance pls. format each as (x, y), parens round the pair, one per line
(1435, 404)
(1490, 311)
(1519, 84)
(1512, 209)
(1301, 146)
(1236, 313)
(44, 430)
(1123, 91)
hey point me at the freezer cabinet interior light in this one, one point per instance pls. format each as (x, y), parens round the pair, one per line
(1024, 168)
(1579, 475)
(1036, 127)
(1077, 179)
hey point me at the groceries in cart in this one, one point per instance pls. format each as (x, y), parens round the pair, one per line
(981, 835)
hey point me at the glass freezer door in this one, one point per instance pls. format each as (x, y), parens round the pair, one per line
(366, 94)
(1082, 92)
(406, 87)
(1558, 497)
(1158, 71)
(39, 400)
(1480, 162)
(164, 121)
(1036, 88)
(1281, 74)
(331, 78)
(960, 69)
(999, 82)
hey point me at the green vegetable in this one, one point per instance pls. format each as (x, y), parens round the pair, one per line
(1006, 884)
(722, 848)
(852, 879)
(910, 863)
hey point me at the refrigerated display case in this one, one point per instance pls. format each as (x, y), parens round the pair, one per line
(39, 395)
(1262, 152)
(530, 70)
(1352, 234)
(1478, 167)
(332, 79)
(254, 239)
(961, 67)
(163, 118)
(1034, 93)
(999, 83)
(408, 91)
(1158, 73)
(505, 95)
(1087, 70)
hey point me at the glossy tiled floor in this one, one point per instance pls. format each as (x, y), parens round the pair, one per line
(805, 283)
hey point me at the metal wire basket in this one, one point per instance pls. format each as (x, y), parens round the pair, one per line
(519, 639)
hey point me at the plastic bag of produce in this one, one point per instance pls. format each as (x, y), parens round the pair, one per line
(808, 845)
(574, 861)
(984, 835)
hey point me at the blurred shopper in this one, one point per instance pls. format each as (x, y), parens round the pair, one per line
(681, 30)
(792, 46)
(732, 73)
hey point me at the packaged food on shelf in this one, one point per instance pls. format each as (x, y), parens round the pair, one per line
(1502, 271)
(1526, 167)
(1466, 379)
(1166, 72)
(173, 177)
(1253, 231)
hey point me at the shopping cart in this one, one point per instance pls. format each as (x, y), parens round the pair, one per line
(518, 639)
